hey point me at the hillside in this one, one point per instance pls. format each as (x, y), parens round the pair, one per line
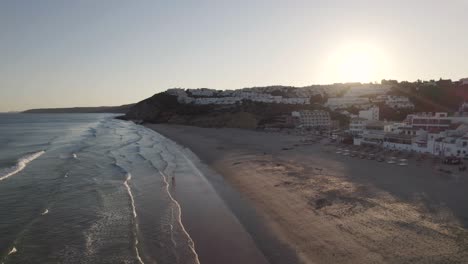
(164, 108)
(100, 109)
(239, 108)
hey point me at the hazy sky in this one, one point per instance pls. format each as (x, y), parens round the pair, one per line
(89, 53)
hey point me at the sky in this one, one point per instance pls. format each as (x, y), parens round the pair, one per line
(90, 53)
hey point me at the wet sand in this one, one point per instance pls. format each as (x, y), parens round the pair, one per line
(332, 208)
(218, 236)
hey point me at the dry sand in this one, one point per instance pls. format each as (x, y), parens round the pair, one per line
(338, 209)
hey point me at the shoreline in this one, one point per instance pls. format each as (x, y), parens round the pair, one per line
(245, 214)
(334, 209)
(214, 234)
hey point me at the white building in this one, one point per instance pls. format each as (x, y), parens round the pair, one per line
(442, 142)
(202, 92)
(357, 126)
(210, 96)
(429, 121)
(297, 100)
(314, 119)
(398, 102)
(370, 114)
(214, 100)
(379, 99)
(345, 102)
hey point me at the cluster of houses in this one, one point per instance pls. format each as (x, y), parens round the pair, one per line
(361, 101)
(205, 96)
(433, 133)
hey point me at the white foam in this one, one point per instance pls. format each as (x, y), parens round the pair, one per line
(20, 165)
(74, 156)
(129, 191)
(132, 200)
(179, 218)
(46, 211)
(12, 251)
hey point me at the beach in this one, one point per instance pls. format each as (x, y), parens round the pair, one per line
(89, 188)
(334, 208)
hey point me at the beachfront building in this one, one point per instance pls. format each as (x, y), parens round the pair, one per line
(345, 102)
(370, 114)
(429, 121)
(398, 102)
(357, 126)
(453, 142)
(373, 133)
(423, 136)
(317, 119)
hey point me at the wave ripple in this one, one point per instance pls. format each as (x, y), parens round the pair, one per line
(20, 165)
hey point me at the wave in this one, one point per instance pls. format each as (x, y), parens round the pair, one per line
(46, 211)
(132, 200)
(12, 251)
(20, 165)
(190, 241)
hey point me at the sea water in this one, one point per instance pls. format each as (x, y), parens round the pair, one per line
(87, 188)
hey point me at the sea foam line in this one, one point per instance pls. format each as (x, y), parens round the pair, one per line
(132, 200)
(179, 218)
(12, 251)
(20, 165)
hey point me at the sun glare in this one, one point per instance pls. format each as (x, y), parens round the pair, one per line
(357, 63)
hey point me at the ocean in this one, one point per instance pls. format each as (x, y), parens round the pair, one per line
(87, 188)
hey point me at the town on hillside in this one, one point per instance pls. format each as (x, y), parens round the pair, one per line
(424, 116)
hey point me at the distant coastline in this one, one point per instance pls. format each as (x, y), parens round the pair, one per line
(100, 109)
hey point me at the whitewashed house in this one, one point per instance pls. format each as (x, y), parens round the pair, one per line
(398, 102)
(370, 114)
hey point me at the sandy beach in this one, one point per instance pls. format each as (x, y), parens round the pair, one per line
(335, 208)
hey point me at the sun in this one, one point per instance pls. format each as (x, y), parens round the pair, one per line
(357, 62)
(357, 66)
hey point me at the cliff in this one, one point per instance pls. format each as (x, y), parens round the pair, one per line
(164, 108)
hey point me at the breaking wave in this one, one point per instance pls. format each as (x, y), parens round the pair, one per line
(132, 200)
(20, 165)
(12, 251)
